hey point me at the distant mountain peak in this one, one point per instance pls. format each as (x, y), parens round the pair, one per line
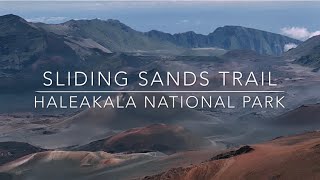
(8, 19)
(236, 29)
(95, 20)
(307, 53)
(238, 37)
(98, 23)
(11, 17)
(118, 37)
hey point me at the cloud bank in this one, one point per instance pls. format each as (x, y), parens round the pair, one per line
(289, 46)
(300, 33)
(48, 19)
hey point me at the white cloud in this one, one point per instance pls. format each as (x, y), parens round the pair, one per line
(300, 33)
(289, 46)
(184, 21)
(48, 19)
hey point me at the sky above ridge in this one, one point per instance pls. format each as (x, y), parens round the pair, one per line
(295, 19)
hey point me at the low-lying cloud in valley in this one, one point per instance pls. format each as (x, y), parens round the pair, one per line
(48, 19)
(300, 33)
(289, 46)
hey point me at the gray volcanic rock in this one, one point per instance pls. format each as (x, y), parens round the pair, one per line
(26, 50)
(237, 37)
(226, 155)
(305, 48)
(307, 53)
(20, 43)
(6, 176)
(188, 39)
(10, 151)
(305, 115)
(25, 47)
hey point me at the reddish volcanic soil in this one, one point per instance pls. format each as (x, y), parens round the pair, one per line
(295, 157)
(156, 137)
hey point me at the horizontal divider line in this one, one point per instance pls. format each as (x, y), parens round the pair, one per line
(160, 91)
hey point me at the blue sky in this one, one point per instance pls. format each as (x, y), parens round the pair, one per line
(300, 19)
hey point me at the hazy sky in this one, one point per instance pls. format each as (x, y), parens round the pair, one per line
(299, 19)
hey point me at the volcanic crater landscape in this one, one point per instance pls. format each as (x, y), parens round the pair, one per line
(164, 143)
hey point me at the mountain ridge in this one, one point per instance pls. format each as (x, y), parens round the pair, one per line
(307, 53)
(230, 38)
(118, 37)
